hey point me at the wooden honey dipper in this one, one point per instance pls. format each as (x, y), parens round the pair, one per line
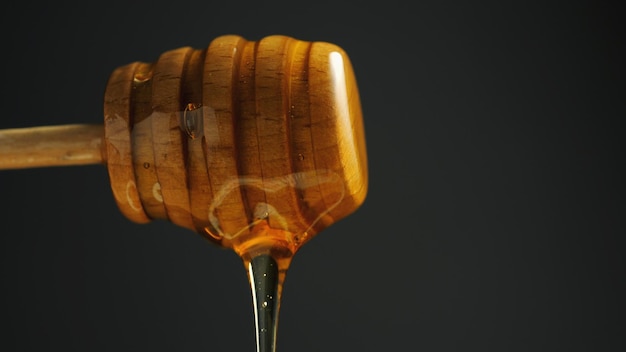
(258, 146)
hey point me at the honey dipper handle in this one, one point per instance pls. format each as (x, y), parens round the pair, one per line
(45, 146)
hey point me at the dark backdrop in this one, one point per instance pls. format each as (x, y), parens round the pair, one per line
(495, 214)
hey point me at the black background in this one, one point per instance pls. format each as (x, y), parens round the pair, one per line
(494, 219)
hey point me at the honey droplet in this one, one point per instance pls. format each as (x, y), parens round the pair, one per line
(213, 233)
(191, 120)
(142, 76)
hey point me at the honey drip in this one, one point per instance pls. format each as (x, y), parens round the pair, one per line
(267, 247)
(266, 274)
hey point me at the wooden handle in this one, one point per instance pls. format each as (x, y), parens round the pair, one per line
(46, 146)
(233, 140)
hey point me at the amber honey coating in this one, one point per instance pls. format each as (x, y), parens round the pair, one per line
(241, 140)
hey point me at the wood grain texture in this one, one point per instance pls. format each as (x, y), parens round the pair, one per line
(47, 146)
(272, 84)
(143, 150)
(220, 72)
(337, 128)
(168, 137)
(117, 126)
